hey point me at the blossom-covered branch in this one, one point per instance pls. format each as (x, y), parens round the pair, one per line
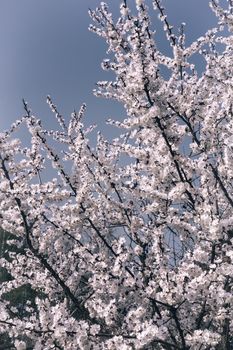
(128, 244)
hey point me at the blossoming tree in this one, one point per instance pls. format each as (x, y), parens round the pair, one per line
(129, 244)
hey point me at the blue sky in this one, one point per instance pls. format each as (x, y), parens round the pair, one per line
(46, 48)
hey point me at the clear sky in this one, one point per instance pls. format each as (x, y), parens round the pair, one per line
(46, 48)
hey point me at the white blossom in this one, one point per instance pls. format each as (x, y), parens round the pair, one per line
(126, 244)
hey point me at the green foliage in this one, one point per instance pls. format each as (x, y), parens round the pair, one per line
(19, 297)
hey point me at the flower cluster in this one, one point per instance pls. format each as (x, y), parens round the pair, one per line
(129, 244)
